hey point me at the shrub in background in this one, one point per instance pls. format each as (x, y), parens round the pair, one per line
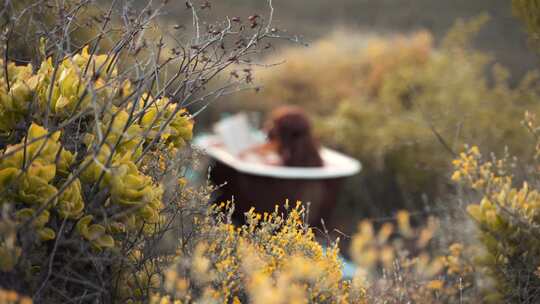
(397, 263)
(503, 203)
(38, 19)
(402, 106)
(506, 204)
(423, 113)
(507, 218)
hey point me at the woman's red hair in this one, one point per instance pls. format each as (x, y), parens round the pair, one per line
(290, 129)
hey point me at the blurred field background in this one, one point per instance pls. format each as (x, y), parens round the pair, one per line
(503, 36)
(437, 99)
(391, 83)
(400, 85)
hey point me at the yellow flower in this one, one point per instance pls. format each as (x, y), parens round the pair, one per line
(435, 284)
(456, 176)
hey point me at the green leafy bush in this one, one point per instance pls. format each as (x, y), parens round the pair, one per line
(92, 158)
(506, 207)
(102, 197)
(507, 217)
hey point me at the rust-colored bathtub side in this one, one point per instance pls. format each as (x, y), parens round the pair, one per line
(263, 192)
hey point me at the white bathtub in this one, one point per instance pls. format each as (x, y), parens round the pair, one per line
(263, 186)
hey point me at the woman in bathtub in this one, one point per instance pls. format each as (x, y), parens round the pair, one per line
(290, 141)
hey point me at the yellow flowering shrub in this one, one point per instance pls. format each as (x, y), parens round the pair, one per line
(276, 258)
(505, 204)
(507, 216)
(273, 258)
(400, 263)
(12, 297)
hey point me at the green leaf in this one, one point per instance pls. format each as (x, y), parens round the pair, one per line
(46, 234)
(105, 241)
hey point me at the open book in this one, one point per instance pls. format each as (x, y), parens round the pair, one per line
(236, 133)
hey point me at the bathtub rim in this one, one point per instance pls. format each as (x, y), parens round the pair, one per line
(348, 166)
